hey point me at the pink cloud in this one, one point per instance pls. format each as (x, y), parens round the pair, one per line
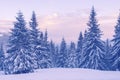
(68, 25)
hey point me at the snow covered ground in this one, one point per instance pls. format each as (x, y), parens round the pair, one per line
(65, 74)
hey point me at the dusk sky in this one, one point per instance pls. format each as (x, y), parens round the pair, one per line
(62, 18)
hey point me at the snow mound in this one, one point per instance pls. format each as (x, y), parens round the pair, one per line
(65, 74)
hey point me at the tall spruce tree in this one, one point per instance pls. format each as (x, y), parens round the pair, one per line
(72, 57)
(19, 58)
(79, 49)
(2, 58)
(94, 48)
(34, 33)
(116, 47)
(62, 56)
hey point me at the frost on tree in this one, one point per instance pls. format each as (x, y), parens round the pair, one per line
(116, 47)
(20, 59)
(72, 57)
(62, 56)
(93, 49)
(79, 49)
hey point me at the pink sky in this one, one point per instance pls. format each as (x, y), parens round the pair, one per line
(62, 18)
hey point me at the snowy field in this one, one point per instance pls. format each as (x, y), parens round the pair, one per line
(65, 74)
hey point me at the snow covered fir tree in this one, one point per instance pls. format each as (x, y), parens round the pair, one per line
(62, 56)
(29, 48)
(79, 49)
(19, 59)
(116, 47)
(93, 48)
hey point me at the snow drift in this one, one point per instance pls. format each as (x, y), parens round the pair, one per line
(65, 74)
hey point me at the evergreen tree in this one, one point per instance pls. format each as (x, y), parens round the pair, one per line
(57, 54)
(62, 61)
(39, 49)
(108, 54)
(79, 49)
(44, 52)
(34, 33)
(19, 58)
(53, 54)
(72, 57)
(2, 57)
(116, 47)
(94, 48)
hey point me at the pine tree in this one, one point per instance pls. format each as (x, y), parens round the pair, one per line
(52, 54)
(19, 58)
(39, 49)
(79, 49)
(62, 61)
(116, 47)
(2, 58)
(94, 48)
(108, 54)
(72, 57)
(57, 54)
(34, 33)
(44, 54)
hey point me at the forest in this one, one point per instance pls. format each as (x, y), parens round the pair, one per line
(29, 49)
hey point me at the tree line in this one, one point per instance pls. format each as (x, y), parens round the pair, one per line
(29, 49)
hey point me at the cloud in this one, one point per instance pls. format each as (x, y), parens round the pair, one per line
(6, 25)
(68, 25)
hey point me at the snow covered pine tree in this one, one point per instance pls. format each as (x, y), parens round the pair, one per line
(43, 51)
(52, 54)
(20, 58)
(2, 58)
(79, 49)
(116, 47)
(62, 56)
(93, 49)
(34, 40)
(108, 55)
(72, 56)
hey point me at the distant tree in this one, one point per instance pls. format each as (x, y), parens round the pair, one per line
(20, 59)
(116, 47)
(52, 54)
(39, 49)
(45, 60)
(79, 49)
(2, 57)
(94, 48)
(108, 54)
(56, 54)
(72, 57)
(62, 56)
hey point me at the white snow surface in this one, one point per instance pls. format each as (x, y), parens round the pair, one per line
(64, 74)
